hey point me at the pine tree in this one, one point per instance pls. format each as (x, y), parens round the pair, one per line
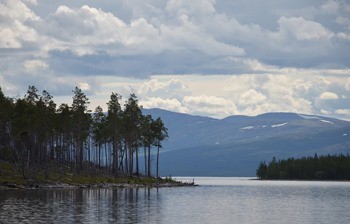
(261, 171)
(148, 139)
(6, 109)
(99, 131)
(82, 120)
(64, 129)
(114, 128)
(132, 118)
(160, 134)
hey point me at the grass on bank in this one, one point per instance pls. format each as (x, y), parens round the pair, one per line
(10, 174)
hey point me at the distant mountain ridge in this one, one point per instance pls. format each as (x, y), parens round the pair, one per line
(233, 146)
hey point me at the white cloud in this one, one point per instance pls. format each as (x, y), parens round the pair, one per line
(210, 101)
(167, 104)
(326, 112)
(303, 29)
(16, 10)
(342, 20)
(254, 94)
(155, 86)
(87, 30)
(209, 105)
(194, 7)
(33, 2)
(13, 28)
(195, 38)
(84, 86)
(34, 66)
(292, 37)
(347, 84)
(189, 36)
(328, 96)
(343, 112)
(83, 26)
(331, 6)
(251, 97)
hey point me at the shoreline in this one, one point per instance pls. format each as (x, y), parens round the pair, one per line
(64, 178)
(160, 183)
(311, 180)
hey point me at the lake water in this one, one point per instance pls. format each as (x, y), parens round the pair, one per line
(217, 200)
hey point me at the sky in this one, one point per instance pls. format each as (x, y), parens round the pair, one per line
(212, 58)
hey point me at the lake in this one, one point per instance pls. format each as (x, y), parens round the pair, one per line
(216, 200)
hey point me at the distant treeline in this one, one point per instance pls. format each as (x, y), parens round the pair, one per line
(330, 167)
(35, 132)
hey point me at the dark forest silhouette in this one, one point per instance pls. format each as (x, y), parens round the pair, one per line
(35, 133)
(329, 167)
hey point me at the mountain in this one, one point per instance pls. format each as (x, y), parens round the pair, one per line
(234, 146)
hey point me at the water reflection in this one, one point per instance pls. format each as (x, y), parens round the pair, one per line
(135, 205)
(218, 200)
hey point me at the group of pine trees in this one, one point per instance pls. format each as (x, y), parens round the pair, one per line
(330, 167)
(34, 132)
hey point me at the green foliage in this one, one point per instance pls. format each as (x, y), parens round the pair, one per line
(330, 167)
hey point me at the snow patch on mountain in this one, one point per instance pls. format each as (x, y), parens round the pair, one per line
(325, 121)
(247, 128)
(263, 126)
(308, 117)
(278, 125)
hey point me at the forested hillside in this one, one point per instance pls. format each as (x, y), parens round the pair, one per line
(235, 145)
(36, 133)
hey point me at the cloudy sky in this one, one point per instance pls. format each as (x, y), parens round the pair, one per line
(205, 57)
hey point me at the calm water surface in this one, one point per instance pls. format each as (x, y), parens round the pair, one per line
(217, 200)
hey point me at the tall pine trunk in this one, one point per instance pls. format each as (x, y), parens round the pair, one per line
(157, 161)
(149, 162)
(126, 159)
(106, 155)
(99, 156)
(115, 157)
(131, 161)
(145, 158)
(137, 162)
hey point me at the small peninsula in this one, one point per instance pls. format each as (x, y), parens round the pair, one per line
(62, 176)
(42, 145)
